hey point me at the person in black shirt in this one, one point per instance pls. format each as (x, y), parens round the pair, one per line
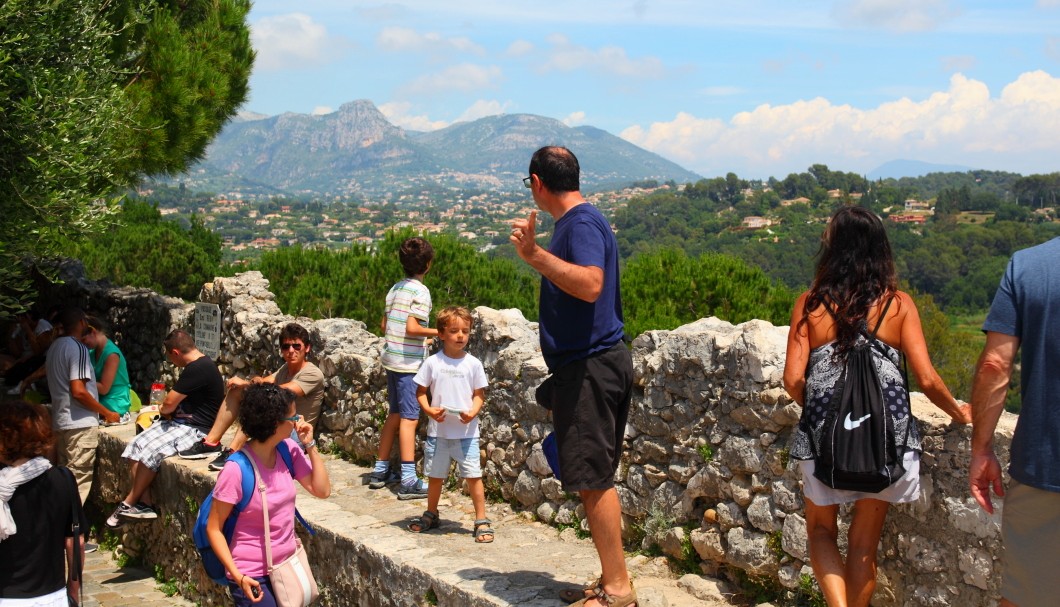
(38, 506)
(188, 412)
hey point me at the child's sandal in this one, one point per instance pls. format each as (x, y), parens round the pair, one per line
(483, 532)
(427, 520)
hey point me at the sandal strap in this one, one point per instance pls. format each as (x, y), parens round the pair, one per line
(482, 521)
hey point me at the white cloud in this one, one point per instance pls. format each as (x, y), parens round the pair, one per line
(574, 119)
(483, 108)
(293, 41)
(397, 112)
(321, 110)
(1020, 129)
(403, 39)
(895, 15)
(1048, 3)
(519, 48)
(565, 56)
(463, 77)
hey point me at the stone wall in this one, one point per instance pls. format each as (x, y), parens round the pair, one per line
(706, 464)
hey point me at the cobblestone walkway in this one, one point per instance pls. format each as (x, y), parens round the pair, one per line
(108, 586)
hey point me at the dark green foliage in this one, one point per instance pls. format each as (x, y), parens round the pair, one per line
(667, 288)
(95, 94)
(60, 133)
(186, 64)
(353, 283)
(145, 250)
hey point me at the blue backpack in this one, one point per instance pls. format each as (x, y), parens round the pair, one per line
(213, 566)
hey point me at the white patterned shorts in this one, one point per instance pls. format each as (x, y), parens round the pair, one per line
(163, 439)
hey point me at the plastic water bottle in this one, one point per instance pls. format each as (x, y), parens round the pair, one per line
(158, 394)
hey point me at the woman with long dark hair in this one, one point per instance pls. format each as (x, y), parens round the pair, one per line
(38, 505)
(854, 288)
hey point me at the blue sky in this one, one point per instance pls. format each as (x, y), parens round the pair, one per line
(756, 87)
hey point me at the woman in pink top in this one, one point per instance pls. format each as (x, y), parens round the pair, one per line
(267, 416)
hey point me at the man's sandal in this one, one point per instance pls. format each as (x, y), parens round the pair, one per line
(483, 533)
(569, 595)
(427, 520)
(626, 600)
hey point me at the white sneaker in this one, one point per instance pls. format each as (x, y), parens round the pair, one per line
(17, 390)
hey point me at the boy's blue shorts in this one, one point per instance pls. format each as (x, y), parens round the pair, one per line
(438, 452)
(401, 394)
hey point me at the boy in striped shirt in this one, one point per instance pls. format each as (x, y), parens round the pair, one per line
(408, 308)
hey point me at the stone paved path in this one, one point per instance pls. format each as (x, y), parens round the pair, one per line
(107, 585)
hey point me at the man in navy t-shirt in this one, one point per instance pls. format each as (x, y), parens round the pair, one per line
(1025, 314)
(581, 328)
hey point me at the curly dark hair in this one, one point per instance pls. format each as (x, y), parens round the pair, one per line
(263, 409)
(416, 255)
(855, 270)
(557, 168)
(25, 431)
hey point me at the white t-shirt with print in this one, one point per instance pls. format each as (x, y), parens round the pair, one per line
(452, 382)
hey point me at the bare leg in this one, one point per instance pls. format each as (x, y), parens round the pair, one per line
(605, 521)
(142, 477)
(434, 493)
(238, 441)
(863, 541)
(386, 436)
(828, 567)
(226, 415)
(478, 496)
(407, 439)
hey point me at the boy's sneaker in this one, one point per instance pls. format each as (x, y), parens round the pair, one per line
(415, 491)
(219, 461)
(140, 511)
(378, 481)
(200, 450)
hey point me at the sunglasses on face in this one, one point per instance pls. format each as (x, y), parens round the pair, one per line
(293, 418)
(291, 346)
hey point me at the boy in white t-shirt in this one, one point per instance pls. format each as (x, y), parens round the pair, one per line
(457, 384)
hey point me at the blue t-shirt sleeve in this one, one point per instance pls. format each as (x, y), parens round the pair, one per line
(1004, 311)
(586, 245)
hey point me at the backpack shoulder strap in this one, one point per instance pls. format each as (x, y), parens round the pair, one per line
(285, 455)
(247, 480)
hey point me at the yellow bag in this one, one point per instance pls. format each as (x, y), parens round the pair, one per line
(147, 416)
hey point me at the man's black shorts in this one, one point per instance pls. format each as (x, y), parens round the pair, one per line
(590, 403)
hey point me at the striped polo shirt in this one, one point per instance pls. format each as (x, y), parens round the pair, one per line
(403, 354)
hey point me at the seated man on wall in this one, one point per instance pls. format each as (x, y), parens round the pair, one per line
(188, 412)
(296, 374)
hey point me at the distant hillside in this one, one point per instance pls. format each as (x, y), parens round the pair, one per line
(896, 169)
(357, 151)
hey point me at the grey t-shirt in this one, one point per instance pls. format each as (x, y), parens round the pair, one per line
(1027, 306)
(69, 359)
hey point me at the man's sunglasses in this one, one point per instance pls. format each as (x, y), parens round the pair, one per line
(291, 346)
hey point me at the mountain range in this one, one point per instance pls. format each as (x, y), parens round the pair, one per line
(355, 151)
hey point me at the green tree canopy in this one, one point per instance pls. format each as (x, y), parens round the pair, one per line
(95, 94)
(148, 251)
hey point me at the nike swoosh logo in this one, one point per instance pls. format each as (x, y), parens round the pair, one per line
(850, 424)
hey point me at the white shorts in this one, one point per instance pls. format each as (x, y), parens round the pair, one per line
(54, 599)
(905, 489)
